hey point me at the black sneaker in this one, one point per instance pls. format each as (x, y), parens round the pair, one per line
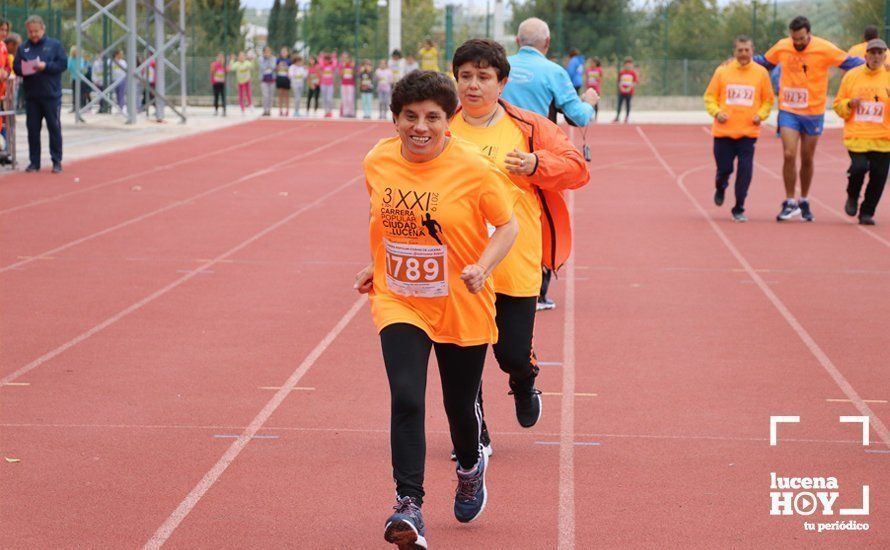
(789, 210)
(719, 195)
(528, 401)
(57, 168)
(471, 496)
(32, 168)
(405, 528)
(851, 206)
(739, 217)
(484, 440)
(865, 219)
(805, 211)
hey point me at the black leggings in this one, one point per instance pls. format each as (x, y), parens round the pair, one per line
(876, 165)
(219, 95)
(516, 326)
(546, 274)
(623, 98)
(314, 91)
(406, 352)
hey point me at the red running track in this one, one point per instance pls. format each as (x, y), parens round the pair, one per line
(185, 362)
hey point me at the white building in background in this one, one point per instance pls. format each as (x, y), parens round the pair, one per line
(255, 37)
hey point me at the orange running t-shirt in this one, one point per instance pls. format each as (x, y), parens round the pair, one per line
(519, 274)
(739, 91)
(870, 121)
(804, 81)
(858, 50)
(428, 222)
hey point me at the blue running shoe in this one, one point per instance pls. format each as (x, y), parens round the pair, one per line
(405, 528)
(789, 210)
(470, 498)
(805, 211)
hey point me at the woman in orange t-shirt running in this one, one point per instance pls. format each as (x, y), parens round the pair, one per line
(432, 198)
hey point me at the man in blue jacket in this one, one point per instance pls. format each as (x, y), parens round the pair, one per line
(41, 62)
(575, 68)
(542, 86)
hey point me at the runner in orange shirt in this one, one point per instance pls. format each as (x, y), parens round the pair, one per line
(432, 199)
(805, 60)
(739, 98)
(858, 50)
(538, 156)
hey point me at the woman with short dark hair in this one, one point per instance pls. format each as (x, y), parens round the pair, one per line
(432, 199)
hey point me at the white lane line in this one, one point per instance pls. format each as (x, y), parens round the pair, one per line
(802, 333)
(144, 172)
(157, 294)
(191, 500)
(179, 203)
(567, 413)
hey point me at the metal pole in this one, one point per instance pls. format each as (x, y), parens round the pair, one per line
(183, 86)
(666, 49)
(395, 26)
(487, 18)
(685, 77)
(131, 62)
(357, 28)
(160, 84)
(449, 33)
(78, 17)
(754, 21)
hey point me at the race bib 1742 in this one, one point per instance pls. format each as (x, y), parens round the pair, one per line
(416, 270)
(869, 111)
(737, 94)
(795, 98)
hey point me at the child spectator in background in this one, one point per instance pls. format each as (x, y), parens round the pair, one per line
(411, 64)
(366, 86)
(243, 69)
(267, 74)
(397, 66)
(119, 72)
(218, 82)
(627, 81)
(327, 70)
(282, 82)
(429, 55)
(347, 86)
(313, 84)
(594, 80)
(297, 73)
(385, 79)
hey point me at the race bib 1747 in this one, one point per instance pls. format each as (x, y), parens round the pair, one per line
(869, 111)
(737, 94)
(416, 270)
(795, 98)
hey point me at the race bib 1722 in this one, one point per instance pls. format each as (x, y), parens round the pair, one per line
(738, 94)
(416, 270)
(869, 111)
(795, 98)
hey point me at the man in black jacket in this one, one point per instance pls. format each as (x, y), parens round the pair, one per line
(41, 62)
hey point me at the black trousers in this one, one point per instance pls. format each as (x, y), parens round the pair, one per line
(726, 151)
(406, 352)
(219, 96)
(313, 91)
(874, 163)
(623, 98)
(546, 275)
(36, 111)
(515, 318)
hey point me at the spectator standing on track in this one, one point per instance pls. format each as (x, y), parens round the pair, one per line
(411, 64)
(328, 67)
(429, 55)
(627, 83)
(243, 69)
(366, 86)
(544, 87)
(385, 78)
(297, 73)
(803, 85)
(282, 82)
(431, 289)
(347, 86)
(594, 79)
(313, 84)
(267, 65)
(575, 68)
(41, 62)
(863, 103)
(542, 163)
(859, 50)
(397, 65)
(218, 71)
(739, 98)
